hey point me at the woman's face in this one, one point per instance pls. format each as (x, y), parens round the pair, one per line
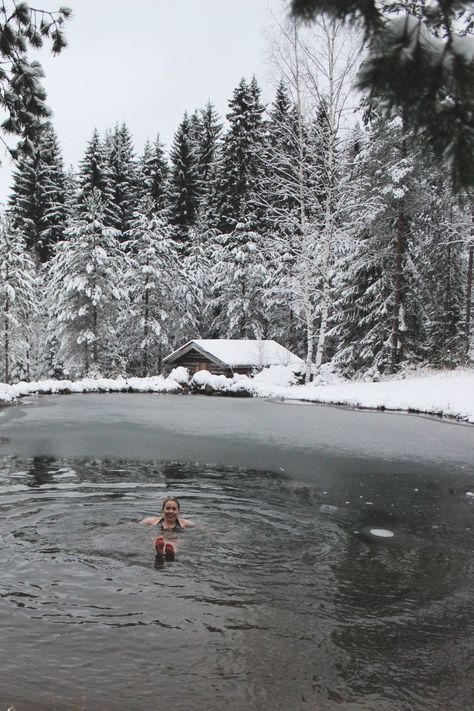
(170, 510)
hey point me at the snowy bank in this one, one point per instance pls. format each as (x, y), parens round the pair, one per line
(446, 393)
(157, 384)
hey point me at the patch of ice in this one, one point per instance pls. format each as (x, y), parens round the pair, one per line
(381, 532)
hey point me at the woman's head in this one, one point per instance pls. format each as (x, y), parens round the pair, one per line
(171, 506)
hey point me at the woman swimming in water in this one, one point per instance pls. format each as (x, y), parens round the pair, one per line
(168, 521)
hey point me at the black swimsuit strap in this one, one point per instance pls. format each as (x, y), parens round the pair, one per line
(176, 525)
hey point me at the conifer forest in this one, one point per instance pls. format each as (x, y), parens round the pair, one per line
(315, 218)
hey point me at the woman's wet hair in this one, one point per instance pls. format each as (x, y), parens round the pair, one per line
(170, 498)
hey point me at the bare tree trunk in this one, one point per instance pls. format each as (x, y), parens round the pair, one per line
(94, 343)
(309, 317)
(146, 331)
(447, 316)
(326, 258)
(328, 227)
(28, 350)
(6, 345)
(86, 358)
(307, 305)
(396, 344)
(160, 357)
(399, 248)
(470, 265)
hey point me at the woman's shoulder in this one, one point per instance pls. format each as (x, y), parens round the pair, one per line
(151, 520)
(186, 523)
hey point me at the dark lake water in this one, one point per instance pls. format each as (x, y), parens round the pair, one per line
(281, 598)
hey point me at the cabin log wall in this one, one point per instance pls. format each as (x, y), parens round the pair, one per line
(194, 361)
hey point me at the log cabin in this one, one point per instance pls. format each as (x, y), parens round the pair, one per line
(223, 356)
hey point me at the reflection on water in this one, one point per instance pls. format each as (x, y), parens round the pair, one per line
(282, 598)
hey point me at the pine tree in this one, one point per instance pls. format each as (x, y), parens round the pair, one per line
(206, 135)
(240, 169)
(86, 294)
(378, 313)
(151, 280)
(280, 200)
(238, 276)
(23, 96)
(37, 201)
(437, 239)
(94, 177)
(123, 177)
(153, 174)
(183, 190)
(17, 303)
(194, 288)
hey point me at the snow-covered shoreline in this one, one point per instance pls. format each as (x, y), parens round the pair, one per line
(442, 393)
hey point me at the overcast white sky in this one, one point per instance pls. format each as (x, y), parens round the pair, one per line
(145, 63)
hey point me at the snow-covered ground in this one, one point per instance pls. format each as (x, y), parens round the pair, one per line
(448, 393)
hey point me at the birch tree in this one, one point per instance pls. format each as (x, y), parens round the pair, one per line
(319, 84)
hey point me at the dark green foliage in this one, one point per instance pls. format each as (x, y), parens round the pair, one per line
(184, 187)
(206, 129)
(385, 180)
(123, 177)
(95, 177)
(37, 201)
(153, 173)
(240, 169)
(365, 10)
(420, 65)
(22, 97)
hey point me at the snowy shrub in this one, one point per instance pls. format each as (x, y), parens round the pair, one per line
(282, 375)
(180, 375)
(204, 379)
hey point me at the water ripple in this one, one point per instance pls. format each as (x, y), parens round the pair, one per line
(281, 587)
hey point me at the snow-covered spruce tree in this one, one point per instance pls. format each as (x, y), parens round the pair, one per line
(123, 177)
(436, 253)
(376, 315)
(87, 295)
(239, 267)
(193, 292)
(183, 184)
(37, 201)
(279, 197)
(206, 132)
(238, 276)
(17, 303)
(71, 192)
(240, 169)
(153, 173)
(147, 328)
(94, 176)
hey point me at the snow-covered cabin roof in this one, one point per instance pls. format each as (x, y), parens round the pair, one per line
(235, 353)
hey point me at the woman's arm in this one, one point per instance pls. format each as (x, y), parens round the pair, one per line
(186, 523)
(150, 520)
